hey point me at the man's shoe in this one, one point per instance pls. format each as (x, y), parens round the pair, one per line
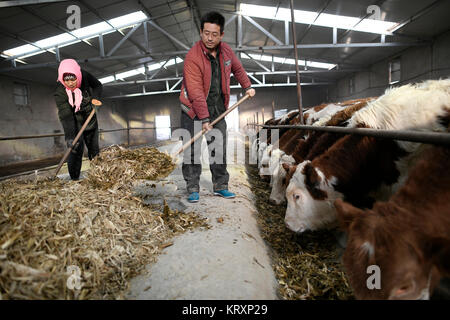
(193, 197)
(225, 194)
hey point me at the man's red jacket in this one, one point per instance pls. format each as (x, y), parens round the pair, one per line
(197, 78)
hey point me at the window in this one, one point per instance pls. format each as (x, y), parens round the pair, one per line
(20, 93)
(394, 71)
(352, 84)
(162, 124)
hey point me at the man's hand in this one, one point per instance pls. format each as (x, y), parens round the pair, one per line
(251, 92)
(96, 102)
(206, 126)
(69, 143)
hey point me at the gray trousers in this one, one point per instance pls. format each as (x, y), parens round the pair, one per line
(193, 168)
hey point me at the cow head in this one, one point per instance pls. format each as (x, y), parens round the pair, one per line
(278, 181)
(264, 171)
(261, 148)
(376, 238)
(310, 198)
(254, 149)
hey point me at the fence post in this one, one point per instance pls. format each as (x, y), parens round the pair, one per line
(128, 133)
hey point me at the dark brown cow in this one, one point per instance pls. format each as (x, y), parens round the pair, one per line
(407, 237)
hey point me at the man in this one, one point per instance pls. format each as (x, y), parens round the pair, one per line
(205, 94)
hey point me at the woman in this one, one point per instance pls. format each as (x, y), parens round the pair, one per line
(77, 90)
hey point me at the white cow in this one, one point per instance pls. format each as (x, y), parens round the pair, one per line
(270, 162)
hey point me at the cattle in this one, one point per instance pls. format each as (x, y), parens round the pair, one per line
(271, 156)
(352, 167)
(278, 181)
(307, 149)
(291, 137)
(284, 136)
(328, 110)
(264, 136)
(355, 166)
(406, 237)
(257, 139)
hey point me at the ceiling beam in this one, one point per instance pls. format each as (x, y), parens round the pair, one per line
(96, 13)
(257, 62)
(192, 4)
(56, 25)
(265, 48)
(266, 85)
(417, 15)
(149, 15)
(5, 4)
(311, 24)
(118, 44)
(17, 37)
(263, 30)
(250, 74)
(168, 35)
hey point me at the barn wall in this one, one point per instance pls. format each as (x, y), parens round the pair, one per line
(417, 64)
(140, 112)
(41, 117)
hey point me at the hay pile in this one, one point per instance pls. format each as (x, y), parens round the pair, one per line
(48, 227)
(307, 266)
(124, 167)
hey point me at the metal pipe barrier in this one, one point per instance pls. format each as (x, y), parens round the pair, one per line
(437, 138)
(62, 134)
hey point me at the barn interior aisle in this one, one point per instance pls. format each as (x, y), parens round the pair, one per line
(227, 261)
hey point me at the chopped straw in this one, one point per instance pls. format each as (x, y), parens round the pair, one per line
(307, 266)
(48, 227)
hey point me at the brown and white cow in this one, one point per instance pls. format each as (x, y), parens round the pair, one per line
(355, 166)
(407, 237)
(316, 143)
(270, 159)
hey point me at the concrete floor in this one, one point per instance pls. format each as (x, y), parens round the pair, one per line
(228, 261)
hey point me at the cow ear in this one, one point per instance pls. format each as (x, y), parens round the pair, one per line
(438, 250)
(286, 166)
(346, 213)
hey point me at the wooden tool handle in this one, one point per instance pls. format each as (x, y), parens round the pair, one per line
(199, 134)
(75, 141)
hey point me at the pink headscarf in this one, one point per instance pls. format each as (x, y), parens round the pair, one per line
(71, 66)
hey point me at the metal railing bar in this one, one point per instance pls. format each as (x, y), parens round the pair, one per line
(439, 138)
(62, 134)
